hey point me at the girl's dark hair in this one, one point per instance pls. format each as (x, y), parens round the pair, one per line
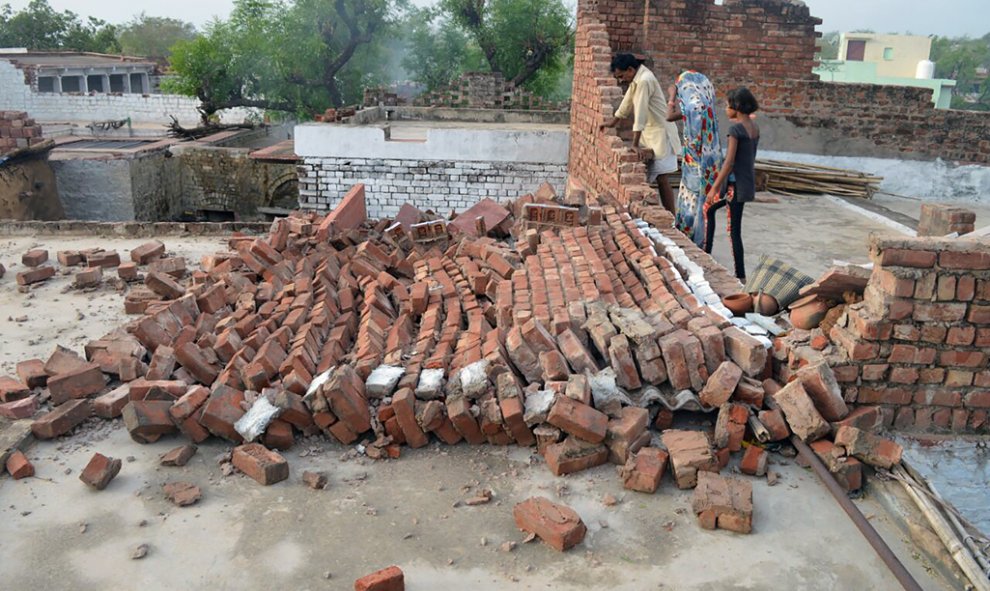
(742, 100)
(624, 61)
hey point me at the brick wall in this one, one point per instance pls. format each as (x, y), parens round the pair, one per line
(227, 179)
(17, 130)
(602, 162)
(441, 185)
(769, 45)
(917, 345)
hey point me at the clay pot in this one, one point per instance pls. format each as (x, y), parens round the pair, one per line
(808, 312)
(739, 303)
(765, 304)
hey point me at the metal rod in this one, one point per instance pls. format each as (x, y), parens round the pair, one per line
(865, 527)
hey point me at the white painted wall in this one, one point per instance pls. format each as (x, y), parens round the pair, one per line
(321, 140)
(440, 185)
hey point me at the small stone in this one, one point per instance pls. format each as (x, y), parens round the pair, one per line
(507, 546)
(772, 478)
(609, 501)
(315, 480)
(140, 552)
(83, 527)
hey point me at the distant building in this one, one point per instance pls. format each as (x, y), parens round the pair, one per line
(66, 72)
(892, 60)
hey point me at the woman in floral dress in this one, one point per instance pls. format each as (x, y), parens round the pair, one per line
(692, 98)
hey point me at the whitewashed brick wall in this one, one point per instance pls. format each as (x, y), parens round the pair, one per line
(440, 185)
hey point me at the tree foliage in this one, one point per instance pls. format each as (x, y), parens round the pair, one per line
(301, 56)
(153, 36)
(966, 61)
(437, 49)
(39, 27)
(525, 40)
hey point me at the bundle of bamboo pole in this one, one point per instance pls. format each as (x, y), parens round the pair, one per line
(796, 179)
(792, 178)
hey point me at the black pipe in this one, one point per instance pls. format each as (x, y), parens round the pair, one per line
(865, 527)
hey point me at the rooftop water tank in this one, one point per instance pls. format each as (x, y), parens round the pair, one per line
(925, 70)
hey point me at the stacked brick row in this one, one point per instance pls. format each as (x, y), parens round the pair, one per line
(17, 130)
(917, 346)
(484, 90)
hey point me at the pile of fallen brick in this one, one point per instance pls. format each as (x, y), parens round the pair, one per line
(17, 130)
(581, 334)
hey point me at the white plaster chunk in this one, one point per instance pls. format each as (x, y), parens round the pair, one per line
(383, 380)
(474, 379)
(255, 421)
(604, 388)
(319, 381)
(766, 323)
(538, 407)
(430, 385)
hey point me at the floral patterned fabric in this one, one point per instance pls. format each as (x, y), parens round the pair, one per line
(702, 153)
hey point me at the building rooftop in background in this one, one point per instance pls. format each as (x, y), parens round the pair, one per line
(891, 60)
(71, 59)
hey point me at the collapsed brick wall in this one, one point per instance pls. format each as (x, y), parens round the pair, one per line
(769, 46)
(917, 345)
(428, 184)
(17, 131)
(599, 161)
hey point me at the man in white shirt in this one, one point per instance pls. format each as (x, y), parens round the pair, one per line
(655, 140)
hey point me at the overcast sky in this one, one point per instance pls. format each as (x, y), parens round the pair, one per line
(943, 17)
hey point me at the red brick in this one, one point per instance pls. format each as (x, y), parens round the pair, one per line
(18, 466)
(221, 410)
(644, 471)
(89, 277)
(512, 415)
(405, 413)
(108, 258)
(11, 389)
(979, 261)
(573, 455)
(263, 465)
(32, 373)
(576, 354)
(820, 384)
(961, 336)
(893, 257)
(978, 314)
(111, 404)
(191, 357)
(802, 416)
(148, 420)
(178, 456)
(578, 419)
(35, 275)
(69, 258)
(388, 579)
(148, 252)
(939, 312)
(100, 471)
(875, 451)
(721, 385)
(690, 452)
(557, 525)
(279, 435)
(774, 421)
(725, 503)
(33, 258)
(62, 420)
(163, 285)
(866, 418)
(979, 399)
(80, 383)
(754, 461)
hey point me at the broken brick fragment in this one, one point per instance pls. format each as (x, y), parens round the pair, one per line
(723, 503)
(643, 471)
(100, 471)
(182, 494)
(179, 456)
(18, 466)
(387, 579)
(557, 525)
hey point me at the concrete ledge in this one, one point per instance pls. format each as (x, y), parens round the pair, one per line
(129, 229)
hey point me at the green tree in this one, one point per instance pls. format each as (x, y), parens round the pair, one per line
(41, 28)
(438, 50)
(153, 36)
(298, 57)
(828, 46)
(961, 59)
(525, 40)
